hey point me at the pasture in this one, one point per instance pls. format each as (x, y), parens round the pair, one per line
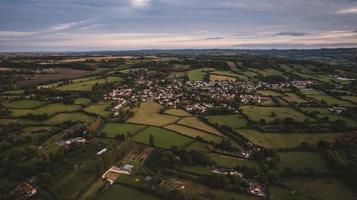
(322, 188)
(256, 113)
(284, 140)
(193, 133)
(120, 192)
(177, 112)
(269, 93)
(82, 101)
(198, 74)
(113, 129)
(163, 138)
(214, 77)
(88, 85)
(62, 117)
(23, 104)
(278, 193)
(293, 97)
(49, 109)
(193, 122)
(99, 108)
(231, 162)
(234, 121)
(301, 160)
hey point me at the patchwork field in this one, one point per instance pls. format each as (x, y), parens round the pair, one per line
(178, 112)
(283, 140)
(230, 162)
(233, 121)
(75, 116)
(320, 96)
(23, 104)
(163, 138)
(293, 97)
(197, 124)
(87, 85)
(120, 192)
(49, 109)
(82, 101)
(99, 109)
(214, 77)
(301, 160)
(269, 93)
(190, 132)
(113, 129)
(198, 74)
(322, 188)
(256, 113)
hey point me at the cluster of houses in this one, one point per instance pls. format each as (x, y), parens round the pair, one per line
(193, 96)
(227, 171)
(71, 141)
(124, 169)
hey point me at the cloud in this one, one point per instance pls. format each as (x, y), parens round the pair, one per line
(351, 10)
(92, 26)
(294, 34)
(139, 3)
(213, 38)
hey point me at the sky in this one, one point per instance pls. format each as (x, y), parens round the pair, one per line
(90, 25)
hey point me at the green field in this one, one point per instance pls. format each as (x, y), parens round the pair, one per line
(163, 138)
(283, 140)
(198, 74)
(269, 93)
(214, 77)
(199, 146)
(190, 132)
(277, 193)
(230, 162)
(113, 129)
(301, 160)
(293, 97)
(148, 108)
(197, 124)
(178, 112)
(82, 101)
(320, 96)
(23, 104)
(120, 192)
(87, 85)
(256, 113)
(62, 117)
(322, 188)
(350, 98)
(49, 109)
(233, 121)
(229, 74)
(153, 119)
(99, 109)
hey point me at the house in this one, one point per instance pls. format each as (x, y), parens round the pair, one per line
(337, 110)
(256, 189)
(26, 189)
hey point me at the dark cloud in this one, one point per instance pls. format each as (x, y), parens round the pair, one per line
(289, 33)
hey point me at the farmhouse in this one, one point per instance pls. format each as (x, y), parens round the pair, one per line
(26, 189)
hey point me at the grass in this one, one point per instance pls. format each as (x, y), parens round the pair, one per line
(99, 109)
(120, 192)
(82, 101)
(293, 97)
(199, 146)
(49, 109)
(23, 104)
(322, 188)
(233, 121)
(163, 138)
(196, 123)
(284, 140)
(112, 129)
(319, 96)
(178, 112)
(190, 132)
(301, 160)
(198, 170)
(149, 108)
(230, 162)
(256, 113)
(269, 93)
(153, 119)
(350, 98)
(198, 74)
(277, 193)
(214, 77)
(13, 92)
(88, 85)
(62, 117)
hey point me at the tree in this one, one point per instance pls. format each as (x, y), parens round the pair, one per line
(151, 140)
